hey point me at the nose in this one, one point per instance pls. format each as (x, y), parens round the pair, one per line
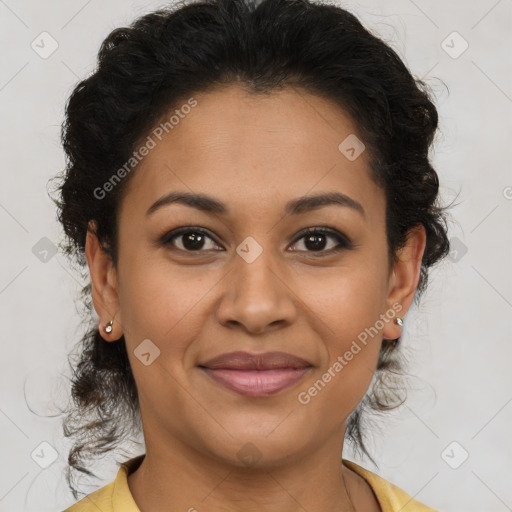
(257, 296)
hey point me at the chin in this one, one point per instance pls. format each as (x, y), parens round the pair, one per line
(255, 448)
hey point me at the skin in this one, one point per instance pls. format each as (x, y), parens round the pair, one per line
(253, 153)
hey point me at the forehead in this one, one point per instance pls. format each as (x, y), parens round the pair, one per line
(252, 149)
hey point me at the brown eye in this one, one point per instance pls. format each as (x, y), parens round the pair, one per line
(316, 240)
(191, 239)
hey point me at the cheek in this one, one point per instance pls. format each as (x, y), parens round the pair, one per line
(346, 312)
(169, 307)
(155, 298)
(347, 299)
(157, 306)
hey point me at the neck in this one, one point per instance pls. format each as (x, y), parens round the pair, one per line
(189, 481)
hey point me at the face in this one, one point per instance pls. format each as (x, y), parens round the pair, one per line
(243, 275)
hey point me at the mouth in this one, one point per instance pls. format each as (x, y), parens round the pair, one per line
(256, 374)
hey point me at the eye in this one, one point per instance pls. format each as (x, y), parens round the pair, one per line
(192, 239)
(315, 240)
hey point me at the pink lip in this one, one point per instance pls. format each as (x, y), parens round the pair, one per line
(265, 361)
(256, 382)
(256, 374)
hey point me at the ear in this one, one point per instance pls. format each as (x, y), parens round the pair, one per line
(104, 285)
(405, 277)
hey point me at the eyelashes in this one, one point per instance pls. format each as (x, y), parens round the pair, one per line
(194, 245)
(313, 233)
(168, 238)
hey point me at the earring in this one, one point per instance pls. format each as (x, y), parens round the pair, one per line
(108, 327)
(399, 321)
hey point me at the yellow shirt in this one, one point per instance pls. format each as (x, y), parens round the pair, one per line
(116, 496)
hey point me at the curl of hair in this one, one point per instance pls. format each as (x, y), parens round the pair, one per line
(164, 57)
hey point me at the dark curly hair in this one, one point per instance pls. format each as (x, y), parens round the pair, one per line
(145, 70)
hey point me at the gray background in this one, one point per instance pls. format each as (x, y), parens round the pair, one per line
(458, 341)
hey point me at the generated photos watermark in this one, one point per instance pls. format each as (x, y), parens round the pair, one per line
(304, 397)
(144, 149)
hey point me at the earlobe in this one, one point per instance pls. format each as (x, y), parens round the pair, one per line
(104, 285)
(405, 277)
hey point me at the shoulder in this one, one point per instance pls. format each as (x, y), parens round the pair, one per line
(389, 496)
(97, 500)
(114, 497)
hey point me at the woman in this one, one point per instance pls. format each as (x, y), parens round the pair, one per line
(250, 188)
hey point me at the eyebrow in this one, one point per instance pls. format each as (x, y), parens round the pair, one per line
(296, 206)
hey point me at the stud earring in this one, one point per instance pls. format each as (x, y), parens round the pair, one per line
(399, 321)
(108, 327)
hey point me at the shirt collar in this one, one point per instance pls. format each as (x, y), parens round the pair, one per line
(122, 499)
(389, 496)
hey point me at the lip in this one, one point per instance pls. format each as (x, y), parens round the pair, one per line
(265, 361)
(256, 374)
